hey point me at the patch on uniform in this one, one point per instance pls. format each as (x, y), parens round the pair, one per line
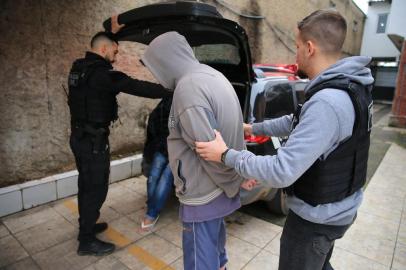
(370, 114)
(74, 79)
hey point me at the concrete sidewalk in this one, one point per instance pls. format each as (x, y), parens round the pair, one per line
(45, 237)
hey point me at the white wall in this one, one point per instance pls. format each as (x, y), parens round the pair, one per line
(379, 45)
(397, 18)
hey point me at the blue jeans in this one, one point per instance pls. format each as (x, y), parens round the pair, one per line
(159, 185)
(204, 244)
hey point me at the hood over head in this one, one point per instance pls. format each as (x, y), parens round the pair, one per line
(169, 57)
(353, 68)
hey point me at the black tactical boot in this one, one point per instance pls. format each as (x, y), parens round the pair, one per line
(95, 247)
(100, 227)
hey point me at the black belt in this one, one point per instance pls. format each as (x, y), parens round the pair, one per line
(97, 136)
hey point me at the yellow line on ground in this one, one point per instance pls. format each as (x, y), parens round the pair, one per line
(149, 260)
(117, 238)
(72, 206)
(120, 240)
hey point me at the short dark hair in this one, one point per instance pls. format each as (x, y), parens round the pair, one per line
(103, 35)
(326, 27)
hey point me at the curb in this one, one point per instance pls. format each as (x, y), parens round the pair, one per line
(24, 196)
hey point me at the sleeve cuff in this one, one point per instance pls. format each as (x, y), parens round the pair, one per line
(258, 128)
(231, 158)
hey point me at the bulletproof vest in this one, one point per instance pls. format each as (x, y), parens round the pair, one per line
(90, 105)
(344, 170)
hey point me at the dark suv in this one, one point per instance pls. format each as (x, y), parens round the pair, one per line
(219, 43)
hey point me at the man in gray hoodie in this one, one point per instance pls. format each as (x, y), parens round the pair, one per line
(323, 163)
(203, 100)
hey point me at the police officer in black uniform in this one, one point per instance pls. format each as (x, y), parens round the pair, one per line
(93, 87)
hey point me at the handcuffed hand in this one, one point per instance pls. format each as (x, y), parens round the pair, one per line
(249, 184)
(247, 129)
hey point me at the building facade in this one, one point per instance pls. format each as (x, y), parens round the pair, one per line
(384, 30)
(40, 39)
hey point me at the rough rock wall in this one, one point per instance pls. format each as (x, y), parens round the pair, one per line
(39, 39)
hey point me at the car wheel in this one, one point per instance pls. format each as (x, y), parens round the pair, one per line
(278, 204)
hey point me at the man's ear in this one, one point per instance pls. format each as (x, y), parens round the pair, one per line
(311, 48)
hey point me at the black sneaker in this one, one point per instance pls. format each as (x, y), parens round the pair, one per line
(95, 247)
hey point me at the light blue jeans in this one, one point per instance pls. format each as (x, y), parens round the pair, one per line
(159, 185)
(204, 245)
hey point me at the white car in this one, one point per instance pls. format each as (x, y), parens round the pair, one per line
(223, 45)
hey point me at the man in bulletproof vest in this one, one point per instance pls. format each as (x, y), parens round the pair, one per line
(93, 87)
(323, 164)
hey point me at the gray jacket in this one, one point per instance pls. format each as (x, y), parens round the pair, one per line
(325, 120)
(203, 100)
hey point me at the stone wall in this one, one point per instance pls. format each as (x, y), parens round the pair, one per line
(39, 39)
(272, 39)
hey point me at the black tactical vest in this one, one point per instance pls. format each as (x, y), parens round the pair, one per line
(343, 172)
(94, 106)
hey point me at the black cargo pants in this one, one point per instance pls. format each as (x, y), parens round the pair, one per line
(306, 245)
(92, 156)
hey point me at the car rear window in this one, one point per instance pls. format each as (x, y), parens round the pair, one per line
(217, 54)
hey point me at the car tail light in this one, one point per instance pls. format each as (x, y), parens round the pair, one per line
(291, 68)
(256, 139)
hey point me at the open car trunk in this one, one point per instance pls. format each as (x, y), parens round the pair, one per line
(217, 42)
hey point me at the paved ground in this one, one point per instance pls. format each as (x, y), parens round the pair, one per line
(45, 237)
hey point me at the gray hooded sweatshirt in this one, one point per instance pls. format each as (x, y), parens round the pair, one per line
(325, 120)
(203, 100)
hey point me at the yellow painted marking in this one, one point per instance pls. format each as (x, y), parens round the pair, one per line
(146, 258)
(120, 240)
(72, 206)
(117, 238)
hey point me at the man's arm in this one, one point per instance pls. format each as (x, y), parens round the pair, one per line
(124, 83)
(197, 124)
(278, 127)
(316, 133)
